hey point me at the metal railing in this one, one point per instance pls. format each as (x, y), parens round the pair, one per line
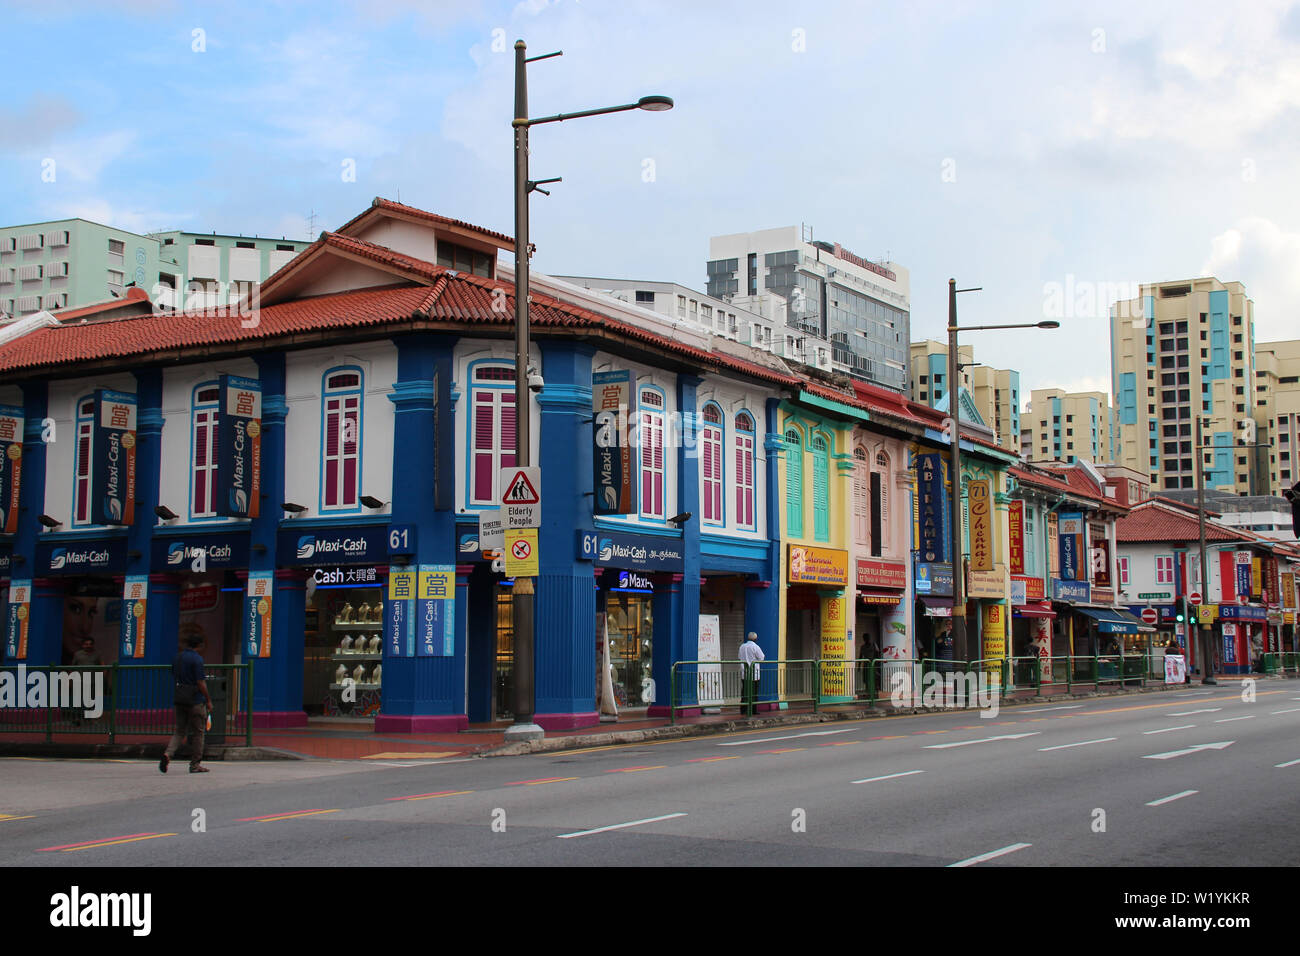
(706, 685)
(1281, 662)
(118, 699)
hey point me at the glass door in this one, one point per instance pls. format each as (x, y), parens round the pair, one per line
(503, 682)
(631, 629)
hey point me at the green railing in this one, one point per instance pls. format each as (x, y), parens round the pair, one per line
(119, 700)
(706, 685)
(1281, 662)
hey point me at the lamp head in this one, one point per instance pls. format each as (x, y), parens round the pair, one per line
(1049, 324)
(655, 103)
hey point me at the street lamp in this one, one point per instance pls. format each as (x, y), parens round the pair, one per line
(960, 650)
(523, 728)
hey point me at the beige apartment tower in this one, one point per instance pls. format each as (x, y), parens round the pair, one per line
(1277, 414)
(1064, 426)
(995, 391)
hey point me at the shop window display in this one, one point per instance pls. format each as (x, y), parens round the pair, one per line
(343, 653)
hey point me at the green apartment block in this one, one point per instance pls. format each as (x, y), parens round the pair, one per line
(74, 262)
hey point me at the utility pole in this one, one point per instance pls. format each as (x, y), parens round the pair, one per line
(959, 648)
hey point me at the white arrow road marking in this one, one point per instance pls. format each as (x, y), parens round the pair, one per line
(988, 856)
(1176, 796)
(1190, 750)
(763, 740)
(1081, 743)
(1289, 763)
(1224, 720)
(1289, 710)
(1043, 710)
(889, 776)
(618, 826)
(982, 740)
(1203, 710)
(1165, 730)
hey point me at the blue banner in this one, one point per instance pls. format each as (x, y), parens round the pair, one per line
(932, 510)
(238, 483)
(1243, 578)
(1070, 536)
(112, 468)
(934, 580)
(201, 552)
(1070, 590)
(611, 396)
(346, 545)
(399, 613)
(435, 609)
(81, 557)
(634, 552)
(257, 614)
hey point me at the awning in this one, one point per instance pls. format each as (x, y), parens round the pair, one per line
(882, 597)
(1033, 610)
(937, 606)
(1115, 621)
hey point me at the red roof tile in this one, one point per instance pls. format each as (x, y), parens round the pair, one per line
(401, 209)
(1154, 521)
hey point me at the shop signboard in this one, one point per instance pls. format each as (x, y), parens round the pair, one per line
(1053, 540)
(615, 491)
(1242, 563)
(980, 508)
(103, 556)
(1288, 589)
(824, 566)
(344, 574)
(635, 552)
(1235, 612)
(932, 499)
(1034, 588)
(112, 475)
(882, 574)
(436, 611)
(1016, 536)
(709, 654)
(399, 616)
(834, 671)
(1229, 643)
(1018, 596)
(1256, 577)
(257, 610)
(367, 544)
(1070, 539)
(1071, 590)
(11, 466)
(994, 632)
(933, 579)
(987, 584)
(1207, 613)
(237, 486)
(18, 614)
(135, 593)
(199, 553)
(1099, 556)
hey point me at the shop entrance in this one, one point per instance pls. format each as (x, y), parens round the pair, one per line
(630, 620)
(503, 672)
(343, 635)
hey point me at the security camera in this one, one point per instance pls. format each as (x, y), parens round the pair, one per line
(535, 383)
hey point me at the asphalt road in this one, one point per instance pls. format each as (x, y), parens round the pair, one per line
(1187, 778)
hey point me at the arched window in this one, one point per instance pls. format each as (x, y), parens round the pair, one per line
(821, 489)
(652, 452)
(203, 450)
(341, 439)
(860, 509)
(744, 477)
(491, 427)
(880, 504)
(85, 419)
(794, 483)
(711, 464)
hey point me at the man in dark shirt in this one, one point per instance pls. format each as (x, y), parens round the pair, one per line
(192, 704)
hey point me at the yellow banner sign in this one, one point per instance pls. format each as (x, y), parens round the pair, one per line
(1207, 613)
(818, 566)
(833, 669)
(980, 507)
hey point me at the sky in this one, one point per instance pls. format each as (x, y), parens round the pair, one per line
(1053, 155)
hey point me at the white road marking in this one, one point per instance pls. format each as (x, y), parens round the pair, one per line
(1196, 693)
(1176, 796)
(989, 856)
(889, 776)
(763, 740)
(1081, 743)
(1188, 713)
(1043, 710)
(1289, 763)
(618, 826)
(1190, 750)
(982, 740)
(1289, 710)
(1224, 720)
(1165, 730)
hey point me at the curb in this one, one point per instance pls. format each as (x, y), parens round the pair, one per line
(151, 751)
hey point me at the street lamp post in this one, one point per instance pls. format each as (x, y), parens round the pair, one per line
(960, 649)
(523, 727)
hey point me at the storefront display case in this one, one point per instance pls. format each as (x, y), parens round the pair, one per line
(344, 649)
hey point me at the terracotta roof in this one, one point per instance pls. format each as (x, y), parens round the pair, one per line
(134, 296)
(1156, 521)
(401, 209)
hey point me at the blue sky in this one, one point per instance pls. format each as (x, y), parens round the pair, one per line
(1011, 145)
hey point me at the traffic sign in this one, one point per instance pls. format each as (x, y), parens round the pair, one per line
(1150, 615)
(521, 553)
(521, 500)
(1194, 597)
(491, 531)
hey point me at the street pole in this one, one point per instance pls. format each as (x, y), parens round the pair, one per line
(1207, 660)
(523, 727)
(954, 474)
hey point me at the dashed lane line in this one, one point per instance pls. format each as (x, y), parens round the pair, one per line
(993, 854)
(1165, 730)
(1171, 799)
(617, 826)
(982, 740)
(1081, 743)
(107, 841)
(889, 776)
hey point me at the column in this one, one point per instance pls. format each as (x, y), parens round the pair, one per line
(45, 621)
(162, 604)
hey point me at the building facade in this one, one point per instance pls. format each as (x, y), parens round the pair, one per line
(1064, 426)
(995, 391)
(1277, 415)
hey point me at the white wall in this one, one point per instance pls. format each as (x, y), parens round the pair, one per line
(643, 375)
(61, 454)
(478, 350)
(733, 397)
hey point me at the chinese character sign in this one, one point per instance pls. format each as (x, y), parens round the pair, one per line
(238, 483)
(11, 463)
(399, 614)
(436, 611)
(981, 524)
(1099, 556)
(257, 614)
(18, 612)
(112, 487)
(134, 593)
(612, 454)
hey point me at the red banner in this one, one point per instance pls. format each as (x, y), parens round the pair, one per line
(881, 574)
(1016, 524)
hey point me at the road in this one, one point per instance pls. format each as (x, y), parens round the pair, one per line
(1187, 778)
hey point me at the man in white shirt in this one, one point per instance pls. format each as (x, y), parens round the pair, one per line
(750, 655)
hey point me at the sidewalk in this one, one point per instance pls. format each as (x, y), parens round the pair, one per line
(343, 740)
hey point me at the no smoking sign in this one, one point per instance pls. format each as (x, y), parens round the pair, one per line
(521, 553)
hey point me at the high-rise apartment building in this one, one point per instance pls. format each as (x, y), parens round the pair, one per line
(74, 262)
(1182, 350)
(1063, 426)
(820, 296)
(995, 391)
(1277, 414)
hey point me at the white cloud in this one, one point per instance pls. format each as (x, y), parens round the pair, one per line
(132, 219)
(1266, 259)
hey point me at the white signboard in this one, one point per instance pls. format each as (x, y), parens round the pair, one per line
(709, 688)
(521, 498)
(1175, 669)
(491, 532)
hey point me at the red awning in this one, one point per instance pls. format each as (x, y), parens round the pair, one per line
(1033, 610)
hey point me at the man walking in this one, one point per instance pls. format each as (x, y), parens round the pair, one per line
(192, 704)
(750, 655)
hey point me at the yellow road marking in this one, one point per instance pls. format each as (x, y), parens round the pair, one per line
(6, 817)
(285, 816)
(423, 755)
(95, 846)
(433, 796)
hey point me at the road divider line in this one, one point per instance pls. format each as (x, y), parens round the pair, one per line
(107, 841)
(787, 750)
(1165, 730)
(889, 776)
(991, 855)
(982, 740)
(430, 796)
(768, 740)
(618, 826)
(1043, 710)
(1289, 763)
(1176, 796)
(1225, 720)
(8, 817)
(1081, 743)
(712, 759)
(1203, 710)
(1289, 710)
(277, 817)
(635, 769)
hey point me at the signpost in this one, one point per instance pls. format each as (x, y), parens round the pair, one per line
(521, 501)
